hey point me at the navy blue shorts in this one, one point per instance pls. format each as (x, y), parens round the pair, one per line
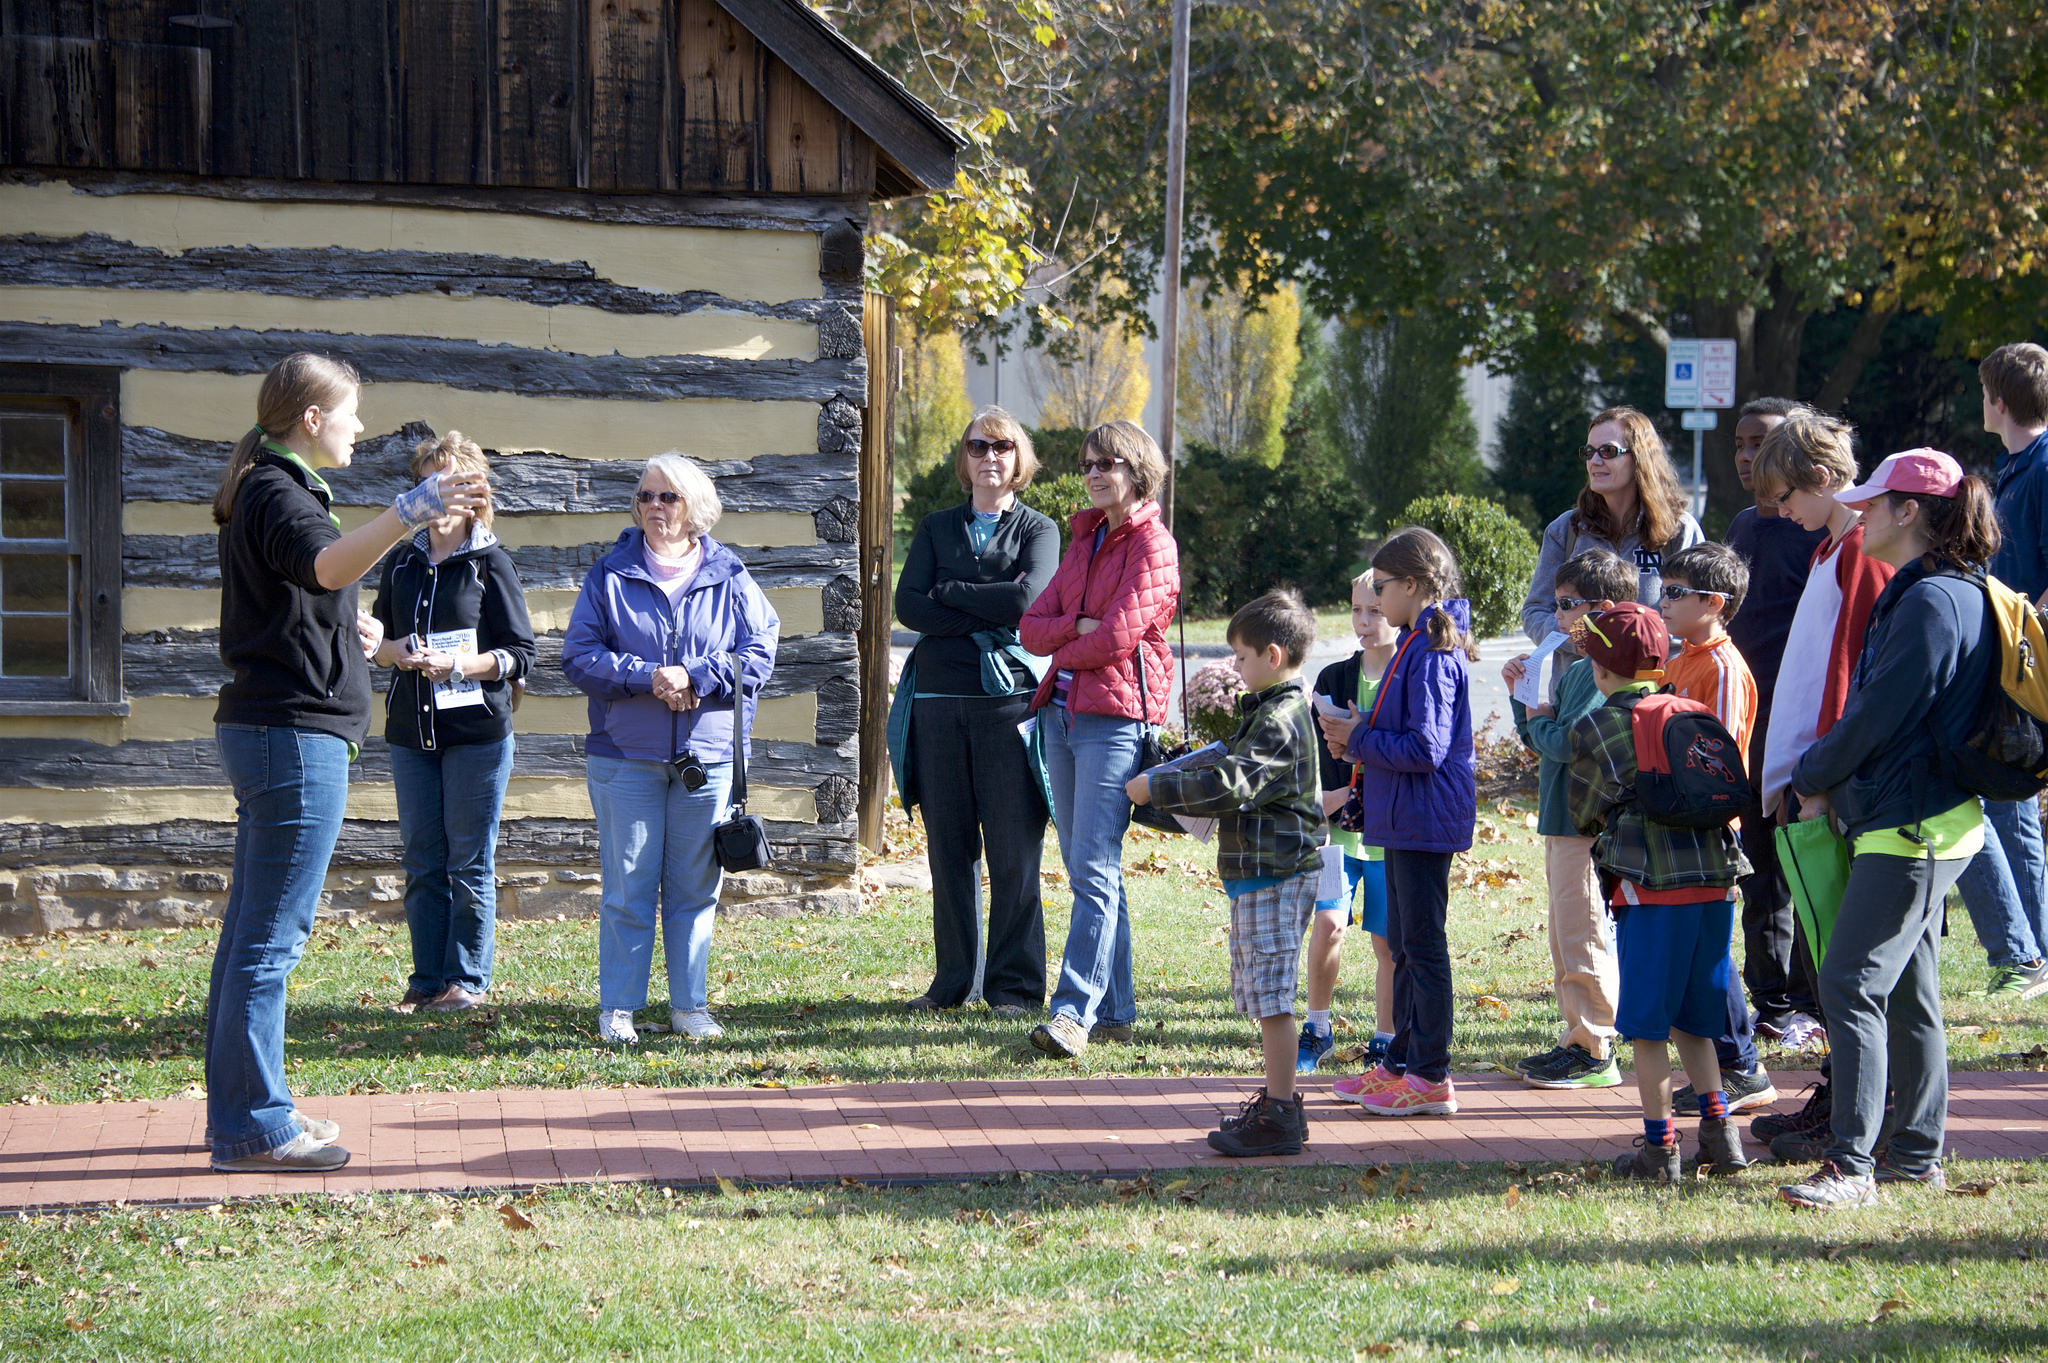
(1674, 968)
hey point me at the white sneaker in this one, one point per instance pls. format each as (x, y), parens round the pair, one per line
(1801, 1030)
(2034, 982)
(301, 1154)
(695, 1023)
(616, 1024)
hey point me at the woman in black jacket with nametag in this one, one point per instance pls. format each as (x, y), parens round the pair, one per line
(456, 628)
(971, 573)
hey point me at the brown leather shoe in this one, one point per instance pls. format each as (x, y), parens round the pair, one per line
(453, 999)
(412, 1000)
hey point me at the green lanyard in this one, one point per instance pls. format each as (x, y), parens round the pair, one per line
(319, 484)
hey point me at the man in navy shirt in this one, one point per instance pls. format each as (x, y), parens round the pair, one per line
(1780, 553)
(2015, 935)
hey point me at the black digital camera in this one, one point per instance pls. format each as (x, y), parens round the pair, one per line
(690, 770)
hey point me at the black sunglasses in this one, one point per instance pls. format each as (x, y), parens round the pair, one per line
(1680, 593)
(1606, 454)
(982, 449)
(1102, 465)
(1570, 603)
(646, 498)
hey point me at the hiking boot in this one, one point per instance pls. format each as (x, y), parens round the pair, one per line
(1540, 1060)
(1371, 1082)
(1771, 1125)
(1263, 1126)
(1930, 1177)
(1650, 1163)
(616, 1024)
(1574, 1068)
(1720, 1153)
(1310, 1050)
(695, 1023)
(1744, 1091)
(925, 1003)
(1829, 1188)
(299, 1155)
(1011, 1010)
(1412, 1097)
(1060, 1035)
(1119, 1032)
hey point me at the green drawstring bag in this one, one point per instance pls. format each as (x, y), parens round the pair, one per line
(1816, 863)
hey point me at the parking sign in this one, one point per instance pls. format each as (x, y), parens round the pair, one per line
(1682, 374)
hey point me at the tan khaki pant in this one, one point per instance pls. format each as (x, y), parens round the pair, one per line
(1582, 959)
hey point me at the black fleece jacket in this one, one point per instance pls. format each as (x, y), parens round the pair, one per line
(290, 642)
(948, 593)
(476, 587)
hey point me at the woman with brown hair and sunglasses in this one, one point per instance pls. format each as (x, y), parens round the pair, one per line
(971, 573)
(1631, 506)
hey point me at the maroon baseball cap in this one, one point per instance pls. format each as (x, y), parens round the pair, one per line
(1629, 640)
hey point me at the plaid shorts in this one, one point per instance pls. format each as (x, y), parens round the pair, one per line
(1266, 931)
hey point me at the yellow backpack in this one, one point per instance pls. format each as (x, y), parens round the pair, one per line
(2005, 754)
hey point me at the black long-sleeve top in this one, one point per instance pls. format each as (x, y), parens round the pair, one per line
(948, 593)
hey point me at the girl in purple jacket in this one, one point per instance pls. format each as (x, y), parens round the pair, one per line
(1414, 749)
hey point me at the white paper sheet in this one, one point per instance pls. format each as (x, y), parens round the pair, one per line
(1534, 687)
(458, 690)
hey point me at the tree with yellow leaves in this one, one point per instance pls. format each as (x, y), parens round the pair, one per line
(932, 409)
(1237, 361)
(1089, 376)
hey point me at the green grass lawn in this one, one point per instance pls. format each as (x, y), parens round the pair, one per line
(1428, 1261)
(119, 1014)
(1423, 1261)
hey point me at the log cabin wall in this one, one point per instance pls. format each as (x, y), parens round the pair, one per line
(582, 233)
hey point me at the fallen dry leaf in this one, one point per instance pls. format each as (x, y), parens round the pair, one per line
(427, 1260)
(1505, 1287)
(726, 1187)
(514, 1219)
(1888, 1306)
(1374, 1351)
(351, 1047)
(1981, 1188)
(1514, 1197)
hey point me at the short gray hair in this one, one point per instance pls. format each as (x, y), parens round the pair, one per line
(701, 507)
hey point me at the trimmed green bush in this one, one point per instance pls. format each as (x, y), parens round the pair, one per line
(1495, 552)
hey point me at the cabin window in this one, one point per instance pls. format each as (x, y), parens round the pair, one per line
(60, 548)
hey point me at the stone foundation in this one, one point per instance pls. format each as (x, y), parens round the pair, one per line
(62, 899)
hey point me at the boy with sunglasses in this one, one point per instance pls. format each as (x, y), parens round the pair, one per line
(1703, 589)
(1583, 967)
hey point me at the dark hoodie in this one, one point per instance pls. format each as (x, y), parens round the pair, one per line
(476, 587)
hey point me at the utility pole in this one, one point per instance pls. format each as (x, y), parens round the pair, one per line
(1176, 174)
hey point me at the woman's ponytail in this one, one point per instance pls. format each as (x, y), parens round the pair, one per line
(296, 382)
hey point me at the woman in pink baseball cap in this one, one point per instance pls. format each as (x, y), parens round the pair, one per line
(1927, 655)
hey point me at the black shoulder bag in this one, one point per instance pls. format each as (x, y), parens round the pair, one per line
(1152, 750)
(741, 842)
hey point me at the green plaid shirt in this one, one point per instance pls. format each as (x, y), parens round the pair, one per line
(1654, 856)
(1266, 791)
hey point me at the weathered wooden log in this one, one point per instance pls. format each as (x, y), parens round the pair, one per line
(159, 467)
(819, 213)
(568, 844)
(426, 359)
(194, 561)
(187, 663)
(78, 764)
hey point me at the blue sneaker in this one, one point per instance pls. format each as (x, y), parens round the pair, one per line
(1314, 1046)
(1376, 1050)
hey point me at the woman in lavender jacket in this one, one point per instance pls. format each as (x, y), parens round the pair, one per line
(649, 641)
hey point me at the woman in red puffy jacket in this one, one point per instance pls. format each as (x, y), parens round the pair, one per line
(1103, 622)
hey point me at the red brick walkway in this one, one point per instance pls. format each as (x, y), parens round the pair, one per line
(101, 1153)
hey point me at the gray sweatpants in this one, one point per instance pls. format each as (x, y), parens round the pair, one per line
(1880, 985)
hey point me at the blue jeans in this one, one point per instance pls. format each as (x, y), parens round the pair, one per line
(1089, 759)
(448, 805)
(291, 790)
(654, 841)
(2003, 884)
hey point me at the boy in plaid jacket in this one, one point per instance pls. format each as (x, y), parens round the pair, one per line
(1265, 792)
(1672, 892)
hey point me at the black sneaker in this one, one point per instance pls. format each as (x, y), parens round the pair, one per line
(1818, 1107)
(1720, 1152)
(1744, 1091)
(1263, 1126)
(1539, 1060)
(1573, 1068)
(1651, 1163)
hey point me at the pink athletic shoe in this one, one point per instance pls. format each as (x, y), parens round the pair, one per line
(1372, 1081)
(1411, 1097)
